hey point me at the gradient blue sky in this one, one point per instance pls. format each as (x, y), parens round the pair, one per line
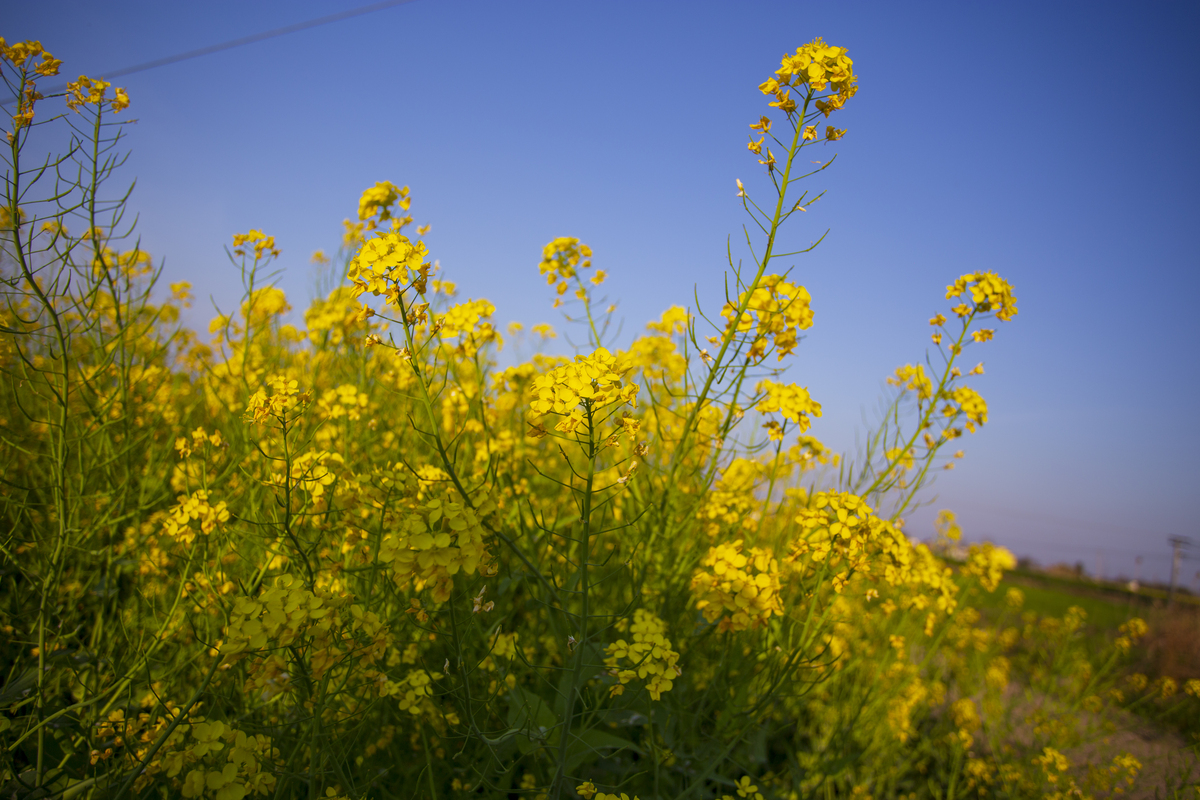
(1054, 143)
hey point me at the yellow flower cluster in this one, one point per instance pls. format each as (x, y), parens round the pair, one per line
(313, 471)
(745, 789)
(375, 206)
(902, 705)
(731, 501)
(902, 457)
(465, 318)
(1131, 631)
(561, 260)
(657, 359)
(20, 52)
(434, 542)
(809, 451)
(586, 385)
(378, 200)
(337, 317)
(989, 293)
(199, 439)
(988, 563)
(389, 258)
(649, 658)
(194, 508)
(674, 320)
(239, 777)
(17, 55)
(274, 618)
(745, 585)
(1124, 769)
(280, 616)
(791, 401)
(265, 303)
(972, 405)
(285, 397)
(776, 309)
(841, 513)
(817, 66)
(6, 217)
(344, 401)
(912, 378)
(842, 531)
(263, 245)
(131, 263)
(1053, 764)
(413, 691)
(209, 741)
(965, 715)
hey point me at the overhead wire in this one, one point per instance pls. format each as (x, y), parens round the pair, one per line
(241, 42)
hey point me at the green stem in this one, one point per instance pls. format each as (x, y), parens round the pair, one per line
(162, 738)
(731, 329)
(585, 615)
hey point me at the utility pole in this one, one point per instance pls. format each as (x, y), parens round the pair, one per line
(1177, 545)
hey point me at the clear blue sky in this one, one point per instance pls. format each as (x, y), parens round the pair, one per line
(1054, 143)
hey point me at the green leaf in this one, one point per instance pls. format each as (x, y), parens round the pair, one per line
(530, 715)
(19, 687)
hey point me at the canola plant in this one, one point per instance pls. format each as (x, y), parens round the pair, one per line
(356, 557)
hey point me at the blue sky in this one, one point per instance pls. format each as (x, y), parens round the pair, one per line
(1050, 142)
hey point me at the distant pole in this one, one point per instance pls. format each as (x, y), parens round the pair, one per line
(1177, 545)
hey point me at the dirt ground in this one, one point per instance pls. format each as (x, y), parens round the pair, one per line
(1167, 762)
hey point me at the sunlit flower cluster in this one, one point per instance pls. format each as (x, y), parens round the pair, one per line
(792, 402)
(737, 586)
(195, 508)
(577, 390)
(776, 311)
(971, 404)
(262, 244)
(20, 52)
(376, 203)
(816, 66)
(912, 378)
(989, 563)
(989, 293)
(284, 399)
(387, 262)
(561, 261)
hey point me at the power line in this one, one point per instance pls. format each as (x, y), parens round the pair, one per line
(245, 40)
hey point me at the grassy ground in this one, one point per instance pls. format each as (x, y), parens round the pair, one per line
(1103, 614)
(1051, 597)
